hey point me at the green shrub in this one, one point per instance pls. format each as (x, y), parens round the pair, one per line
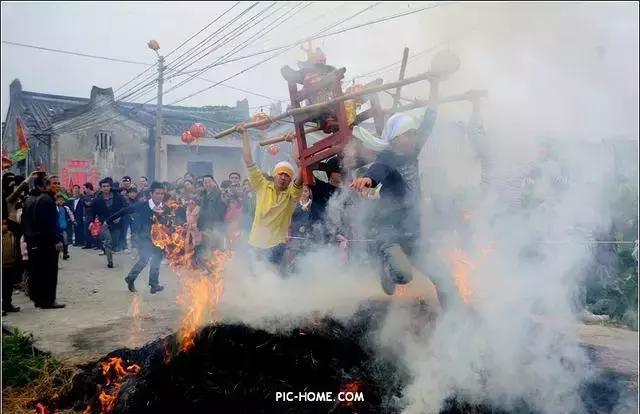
(22, 362)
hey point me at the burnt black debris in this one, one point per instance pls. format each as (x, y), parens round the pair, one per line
(239, 369)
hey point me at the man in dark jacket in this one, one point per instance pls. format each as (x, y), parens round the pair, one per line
(87, 198)
(40, 225)
(76, 206)
(145, 212)
(212, 205)
(106, 204)
(397, 216)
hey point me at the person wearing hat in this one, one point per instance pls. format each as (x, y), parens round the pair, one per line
(275, 202)
(396, 169)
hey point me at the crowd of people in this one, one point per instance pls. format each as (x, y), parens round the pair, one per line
(273, 216)
(41, 220)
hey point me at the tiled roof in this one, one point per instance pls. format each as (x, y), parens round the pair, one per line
(176, 120)
(40, 110)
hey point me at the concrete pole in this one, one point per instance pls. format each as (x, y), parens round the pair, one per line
(159, 173)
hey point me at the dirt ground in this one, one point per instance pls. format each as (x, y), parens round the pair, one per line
(99, 315)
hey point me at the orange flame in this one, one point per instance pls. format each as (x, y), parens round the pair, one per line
(352, 387)
(201, 289)
(114, 373)
(461, 269)
(200, 296)
(135, 307)
(407, 292)
(41, 409)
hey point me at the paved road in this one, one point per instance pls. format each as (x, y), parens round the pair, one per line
(99, 313)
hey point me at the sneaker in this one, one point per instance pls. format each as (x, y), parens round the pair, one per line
(110, 265)
(400, 269)
(130, 285)
(65, 257)
(102, 254)
(386, 279)
(11, 308)
(156, 289)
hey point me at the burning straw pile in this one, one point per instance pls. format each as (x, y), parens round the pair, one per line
(234, 368)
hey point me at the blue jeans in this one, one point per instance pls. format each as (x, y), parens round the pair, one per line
(145, 252)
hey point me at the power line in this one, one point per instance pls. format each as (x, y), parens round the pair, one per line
(204, 28)
(138, 90)
(313, 37)
(90, 123)
(87, 122)
(320, 36)
(236, 32)
(197, 53)
(280, 52)
(287, 15)
(67, 52)
(241, 30)
(175, 49)
(390, 66)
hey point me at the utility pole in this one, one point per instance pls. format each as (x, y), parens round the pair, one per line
(159, 173)
(159, 149)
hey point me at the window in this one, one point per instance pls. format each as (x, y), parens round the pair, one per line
(103, 141)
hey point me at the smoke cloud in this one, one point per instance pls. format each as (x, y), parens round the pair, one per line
(559, 73)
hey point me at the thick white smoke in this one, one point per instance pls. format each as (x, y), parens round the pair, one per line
(560, 72)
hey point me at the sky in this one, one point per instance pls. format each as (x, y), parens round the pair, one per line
(571, 62)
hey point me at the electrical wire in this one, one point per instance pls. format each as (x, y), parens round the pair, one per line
(138, 90)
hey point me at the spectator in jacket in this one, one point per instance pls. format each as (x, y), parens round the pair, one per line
(40, 225)
(212, 206)
(105, 205)
(76, 206)
(300, 225)
(145, 212)
(88, 197)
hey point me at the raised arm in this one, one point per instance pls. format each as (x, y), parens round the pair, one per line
(20, 188)
(246, 145)
(296, 156)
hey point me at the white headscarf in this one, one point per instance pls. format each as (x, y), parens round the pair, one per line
(395, 126)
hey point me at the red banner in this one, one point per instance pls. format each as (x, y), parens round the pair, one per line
(78, 172)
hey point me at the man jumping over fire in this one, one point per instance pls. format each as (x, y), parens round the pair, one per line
(396, 169)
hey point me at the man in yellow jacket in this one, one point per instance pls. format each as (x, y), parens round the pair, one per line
(275, 203)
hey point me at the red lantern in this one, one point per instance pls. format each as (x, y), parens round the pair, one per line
(187, 138)
(197, 130)
(273, 149)
(261, 116)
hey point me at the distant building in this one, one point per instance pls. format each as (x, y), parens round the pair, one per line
(83, 139)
